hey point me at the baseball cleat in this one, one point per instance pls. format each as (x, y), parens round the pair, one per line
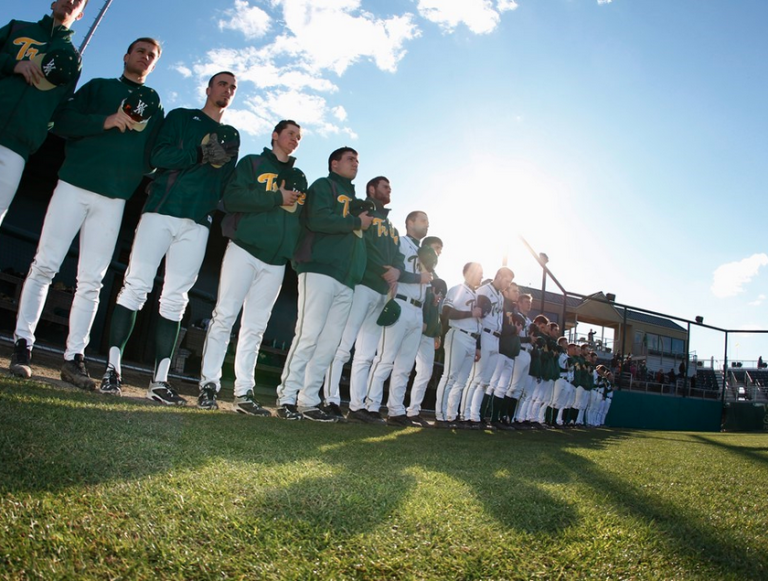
(207, 398)
(333, 409)
(318, 415)
(245, 404)
(110, 382)
(162, 392)
(20, 359)
(74, 371)
(401, 421)
(289, 412)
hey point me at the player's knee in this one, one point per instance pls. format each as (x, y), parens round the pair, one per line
(41, 272)
(173, 310)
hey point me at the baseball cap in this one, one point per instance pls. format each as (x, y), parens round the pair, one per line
(59, 68)
(140, 105)
(228, 136)
(428, 258)
(389, 314)
(294, 180)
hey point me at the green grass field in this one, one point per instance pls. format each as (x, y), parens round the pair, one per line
(99, 488)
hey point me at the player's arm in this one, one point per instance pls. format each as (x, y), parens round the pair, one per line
(171, 150)
(322, 214)
(244, 193)
(77, 117)
(7, 62)
(155, 125)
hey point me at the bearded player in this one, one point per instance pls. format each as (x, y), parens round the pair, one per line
(193, 162)
(107, 154)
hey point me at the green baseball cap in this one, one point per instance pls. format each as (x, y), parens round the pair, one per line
(389, 314)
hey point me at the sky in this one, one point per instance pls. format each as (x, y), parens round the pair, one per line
(626, 139)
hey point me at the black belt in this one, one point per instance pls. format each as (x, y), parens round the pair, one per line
(473, 335)
(494, 333)
(414, 302)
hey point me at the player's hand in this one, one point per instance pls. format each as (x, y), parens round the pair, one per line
(365, 220)
(30, 71)
(213, 152)
(289, 196)
(426, 277)
(437, 343)
(477, 355)
(477, 313)
(391, 274)
(120, 121)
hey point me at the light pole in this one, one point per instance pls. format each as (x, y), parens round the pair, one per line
(95, 25)
(543, 260)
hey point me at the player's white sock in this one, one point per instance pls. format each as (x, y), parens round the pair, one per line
(114, 359)
(161, 373)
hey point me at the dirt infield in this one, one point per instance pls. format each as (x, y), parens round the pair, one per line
(46, 366)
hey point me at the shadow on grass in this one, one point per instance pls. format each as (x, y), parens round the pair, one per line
(683, 530)
(53, 440)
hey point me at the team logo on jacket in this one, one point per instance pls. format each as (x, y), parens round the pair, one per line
(27, 49)
(271, 184)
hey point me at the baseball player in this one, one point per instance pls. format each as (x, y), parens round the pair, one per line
(383, 267)
(476, 390)
(462, 344)
(399, 342)
(522, 385)
(263, 214)
(430, 339)
(542, 395)
(107, 153)
(563, 391)
(194, 155)
(330, 261)
(29, 93)
(504, 401)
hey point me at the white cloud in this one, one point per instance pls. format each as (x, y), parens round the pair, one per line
(504, 5)
(340, 113)
(757, 302)
(252, 21)
(478, 15)
(314, 27)
(729, 278)
(306, 45)
(184, 70)
(604, 1)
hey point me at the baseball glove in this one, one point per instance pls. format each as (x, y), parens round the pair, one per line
(428, 258)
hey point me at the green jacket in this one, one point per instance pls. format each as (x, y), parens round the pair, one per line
(184, 187)
(382, 245)
(328, 244)
(26, 112)
(431, 314)
(262, 226)
(106, 162)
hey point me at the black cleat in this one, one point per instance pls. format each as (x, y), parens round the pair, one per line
(20, 359)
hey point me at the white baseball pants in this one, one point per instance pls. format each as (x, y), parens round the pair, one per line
(482, 371)
(324, 305)
(361, 331)
(459, 357)
(249, 284)
(11, 168)
(425, 364)
(97, 218)
(501, 380)
(396, 353)
(182, 242)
